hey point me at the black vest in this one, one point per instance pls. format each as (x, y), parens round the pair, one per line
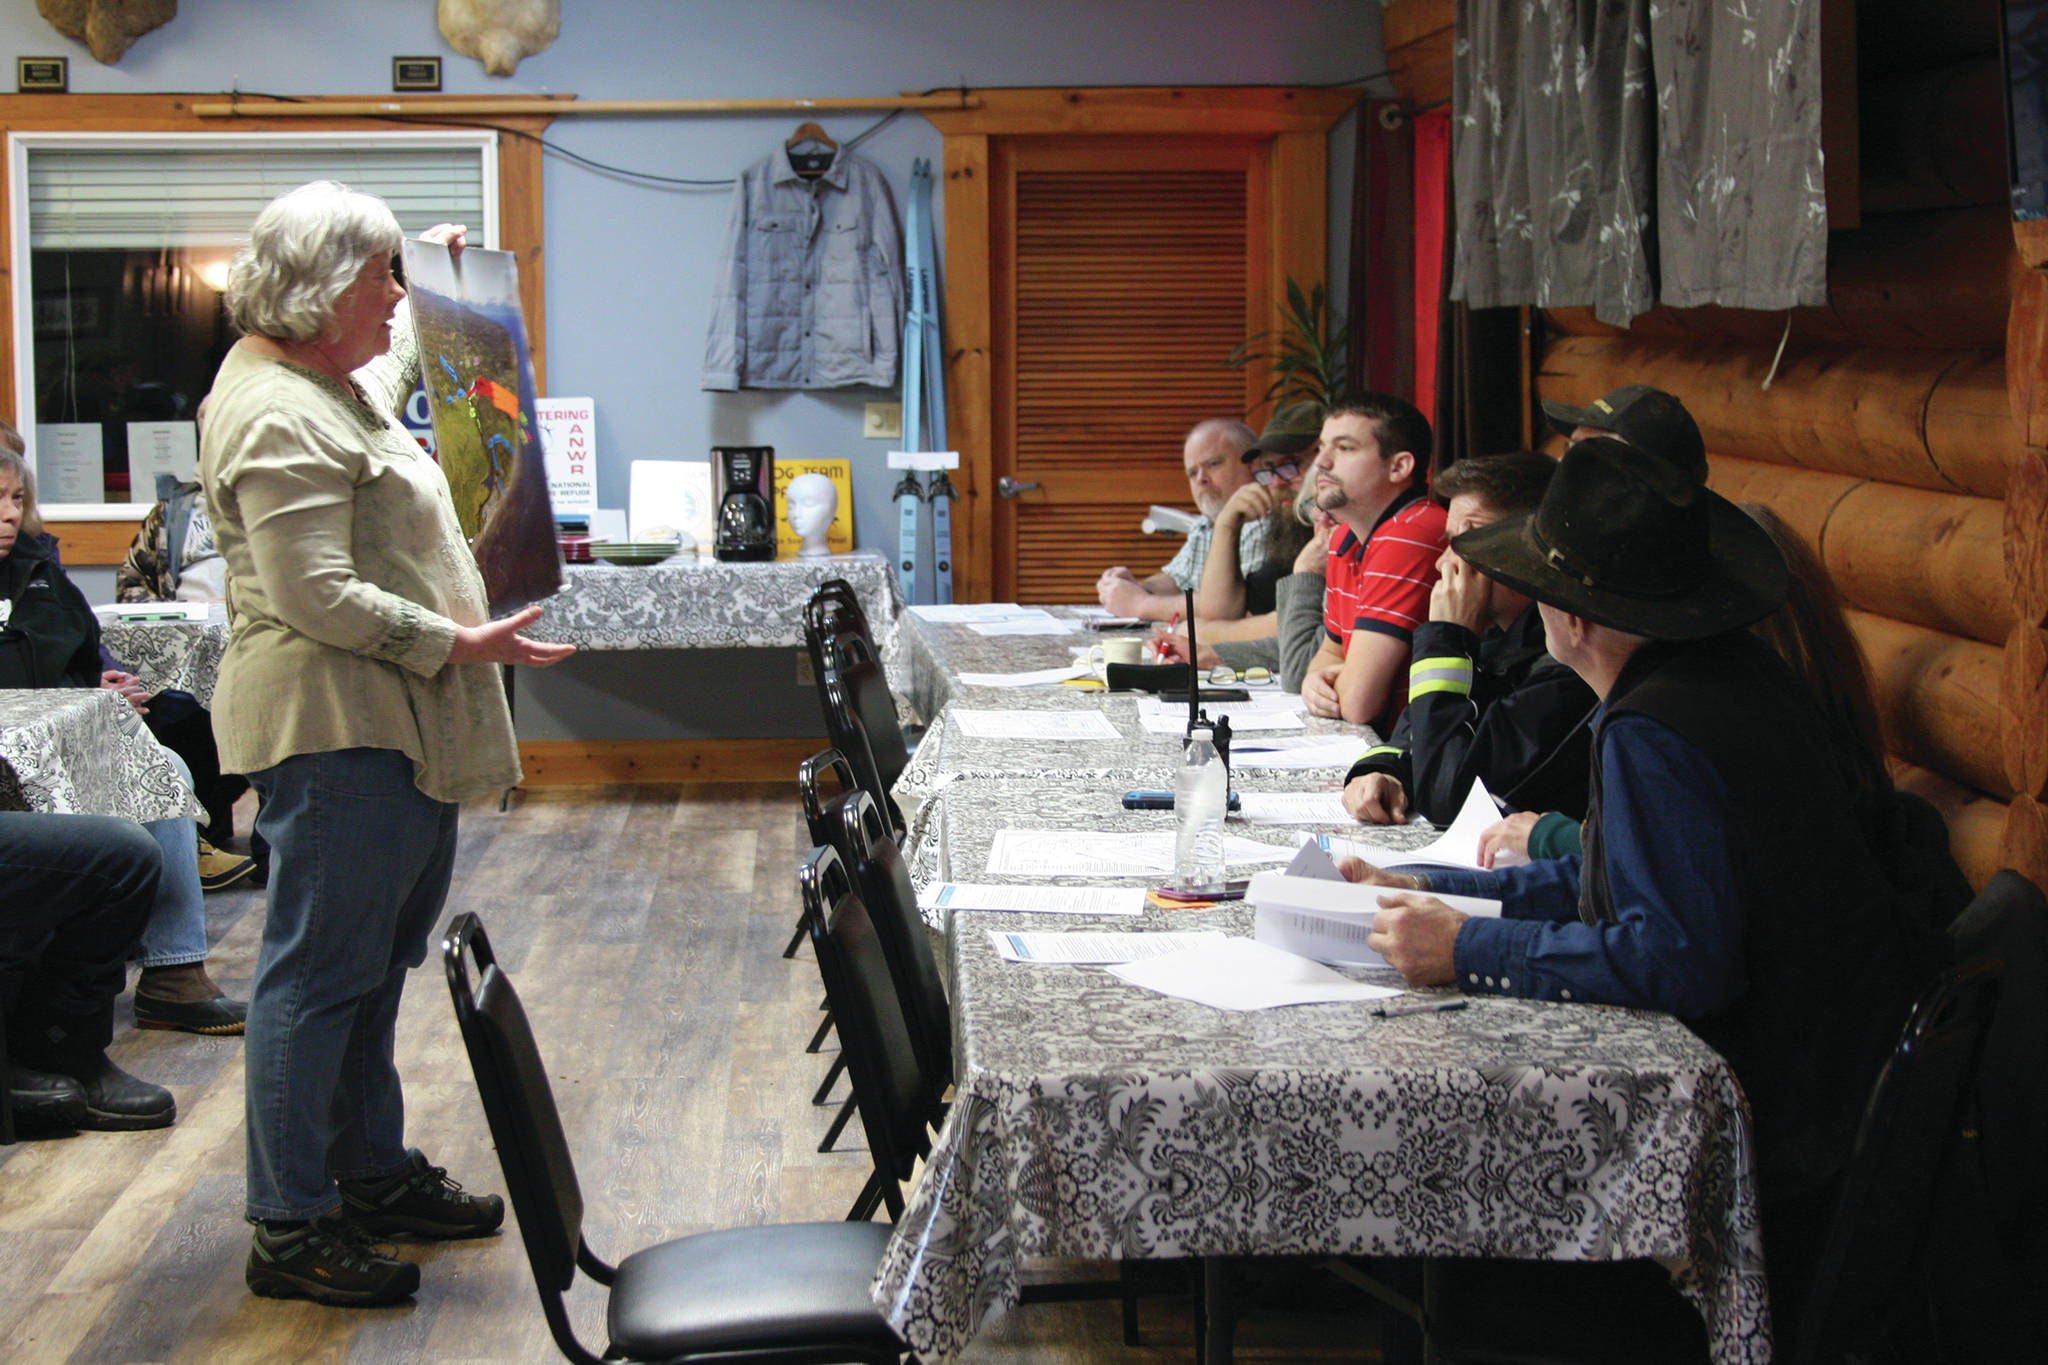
(1830, 961)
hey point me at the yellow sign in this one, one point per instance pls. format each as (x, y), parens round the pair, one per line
(839, 539)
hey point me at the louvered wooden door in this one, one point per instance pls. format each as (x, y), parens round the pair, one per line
(1123, 271)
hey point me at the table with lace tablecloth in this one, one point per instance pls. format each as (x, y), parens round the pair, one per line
(84, 750)
(697, 602)
(176, 655)
(1145, 758)
(1095, 1120)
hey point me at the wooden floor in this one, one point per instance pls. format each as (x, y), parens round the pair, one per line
(643, 926)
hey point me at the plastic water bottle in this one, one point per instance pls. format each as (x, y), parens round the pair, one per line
(1200, 792)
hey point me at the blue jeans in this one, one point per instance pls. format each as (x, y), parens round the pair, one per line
(360, 865)
(176, 931)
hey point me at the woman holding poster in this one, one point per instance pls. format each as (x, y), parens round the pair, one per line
(359, 693)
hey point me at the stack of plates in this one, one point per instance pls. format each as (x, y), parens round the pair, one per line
(633, 551)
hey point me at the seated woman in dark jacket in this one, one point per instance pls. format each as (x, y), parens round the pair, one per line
(49, 637)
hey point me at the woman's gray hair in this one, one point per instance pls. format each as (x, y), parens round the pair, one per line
(307, 247)
(11, 462)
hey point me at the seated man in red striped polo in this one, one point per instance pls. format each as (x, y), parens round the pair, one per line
(1370, 473)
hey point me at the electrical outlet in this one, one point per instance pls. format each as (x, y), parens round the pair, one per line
(805, 675)
(882, 422)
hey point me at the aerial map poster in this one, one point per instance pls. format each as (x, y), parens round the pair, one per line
(478, 376)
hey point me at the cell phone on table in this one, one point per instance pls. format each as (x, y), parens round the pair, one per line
(1152, 800)
(1206, 891)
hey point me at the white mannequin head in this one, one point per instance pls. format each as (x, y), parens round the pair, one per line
(811, 499)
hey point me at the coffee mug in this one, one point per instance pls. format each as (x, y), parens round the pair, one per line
(1123, 651)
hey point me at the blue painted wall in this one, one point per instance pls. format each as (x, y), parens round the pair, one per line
(630, 266)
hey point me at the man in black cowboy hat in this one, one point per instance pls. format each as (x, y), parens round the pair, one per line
(1646, 418)
(1725, 877)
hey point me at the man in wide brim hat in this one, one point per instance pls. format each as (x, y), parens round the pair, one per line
(1728, 876)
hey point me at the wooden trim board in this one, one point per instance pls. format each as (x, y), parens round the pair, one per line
(581, 763)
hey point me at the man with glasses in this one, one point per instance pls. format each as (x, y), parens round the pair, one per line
(1210, 458)
(1485, 698)
(1257, 535)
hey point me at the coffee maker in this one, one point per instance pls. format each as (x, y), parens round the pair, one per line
(745, 478)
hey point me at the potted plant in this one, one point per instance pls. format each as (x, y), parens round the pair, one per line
(1307, 353)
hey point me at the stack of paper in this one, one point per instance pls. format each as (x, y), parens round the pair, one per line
(1329, 921)
(1297, 751)
(1095, 947)
(1457, 846)
(1066, 725)
(1064, 899)
(1093, 853)
(1273, 711)
(1239, 974)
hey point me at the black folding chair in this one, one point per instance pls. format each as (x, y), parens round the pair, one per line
(847, 728)
(883, 879)
(890, 1090)
(1545, 1313)
(821, 812)
(822, 815)
(787, 1292)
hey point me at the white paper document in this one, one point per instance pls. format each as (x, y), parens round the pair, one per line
(961, 612)
(1327, 920)
(1297, 751)
(1035, 678)
(1025, 625)
(1171, 718)
(1094, 947)
(1457, 846)
(1093, 853)
(1241, 974)
(1065, 725)
(1293, 808)
(1065, 899)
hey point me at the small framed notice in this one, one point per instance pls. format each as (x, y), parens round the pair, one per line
(43, 75)
(161, 448)
(70, 462)
(416, 73)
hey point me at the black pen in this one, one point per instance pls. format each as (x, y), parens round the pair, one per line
(1396, 1009)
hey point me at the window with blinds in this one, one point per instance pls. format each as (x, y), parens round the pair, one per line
(125, 251)
(139, 194)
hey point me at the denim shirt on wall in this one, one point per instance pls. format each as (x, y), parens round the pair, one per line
(811, 284)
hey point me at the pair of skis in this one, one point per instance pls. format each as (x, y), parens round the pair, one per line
(924, 399)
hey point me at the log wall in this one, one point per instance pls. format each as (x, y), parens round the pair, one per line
(1903, 432)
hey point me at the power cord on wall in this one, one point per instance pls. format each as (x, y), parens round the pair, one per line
(557, 149)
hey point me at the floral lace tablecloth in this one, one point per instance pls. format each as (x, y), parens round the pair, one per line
(85, 751)
(1143, 758)
(179, 655)
(1095, 1120)
(702, 603)
(933, 654)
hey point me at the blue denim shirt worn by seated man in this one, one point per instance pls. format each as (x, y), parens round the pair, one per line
(1676, 944)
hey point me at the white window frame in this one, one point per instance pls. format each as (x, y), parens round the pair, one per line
(20, 144)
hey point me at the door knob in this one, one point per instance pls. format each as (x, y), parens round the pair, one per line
(1009, 488)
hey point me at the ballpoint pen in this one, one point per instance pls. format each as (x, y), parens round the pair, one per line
(1395, 1009)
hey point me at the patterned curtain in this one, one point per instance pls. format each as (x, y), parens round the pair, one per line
(1622, 153)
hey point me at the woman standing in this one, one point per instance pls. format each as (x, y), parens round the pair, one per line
(359, 694)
